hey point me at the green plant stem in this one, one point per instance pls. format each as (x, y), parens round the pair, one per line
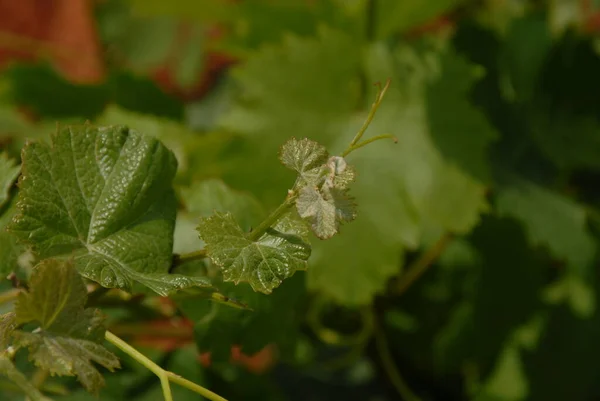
(9, 296)
(273, 217)
(164, 375)
(144, 361)
(188, 257)
(383, 350)
(378, 98)
(194, 387)
(352, 148)
(420, 266)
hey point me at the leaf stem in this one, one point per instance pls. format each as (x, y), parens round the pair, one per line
(352, 148)
(164, 375)
(9, 296)
(273, 217)
(420, 266)
(194, 387)
(378, 98)
(383, 350)
(188, 257)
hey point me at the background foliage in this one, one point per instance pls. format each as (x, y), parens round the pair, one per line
(470, 272)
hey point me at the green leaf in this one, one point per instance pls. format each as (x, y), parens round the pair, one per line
(56, 293)
(508, 381)
(8, 323)
(306, 157)
(264, 263)
(551, 220)
(10, 250)
(459, 131)
(325, 209)
(102, 196)
(8, 369)
(9, 171)
(282, 80)
(67, 356)
(206, 197)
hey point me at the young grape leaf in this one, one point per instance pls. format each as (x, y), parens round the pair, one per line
(67, 356)
(56, 292)
(508, 381)
(325, 209)
(70, 337)
(8, 369)
(263, 263)
(9, 171)
(102, 195)
(8, 324)
(306, 157)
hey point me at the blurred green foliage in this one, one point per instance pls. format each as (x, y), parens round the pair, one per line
(496, 107)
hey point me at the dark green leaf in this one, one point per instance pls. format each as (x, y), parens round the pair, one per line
(104, 197)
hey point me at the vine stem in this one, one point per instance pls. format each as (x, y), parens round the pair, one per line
(378, 98)
(164, 375)
(383, 350)
(188, 257)
(420, 266)
(359, 145)
(273, 217)
(9, 295)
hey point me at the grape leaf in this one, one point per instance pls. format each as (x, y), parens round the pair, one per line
(508, 381)
(8, 323)
(56, 293)
(325, 209)
(104, 197)
(206, 197)
(550, 220)
(269, 89)
(9, 171)
(264, 263)
(306, 157)
(10, 250)
(67, 356)
(70, 336)
(8, 369)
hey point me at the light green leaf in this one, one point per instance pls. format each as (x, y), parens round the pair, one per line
(576, 292)
(508, 381)
(67, 356)
(264, 263)
(550, 220)
(306, 157)
(288, 80)
(206, 197)
(8, 369)
(325, 209)
(56, 292)
(8, 323)
(103, 196)
(9, 171)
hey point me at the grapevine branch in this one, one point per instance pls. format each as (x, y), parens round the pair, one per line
(422, 264)
(164, 376)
